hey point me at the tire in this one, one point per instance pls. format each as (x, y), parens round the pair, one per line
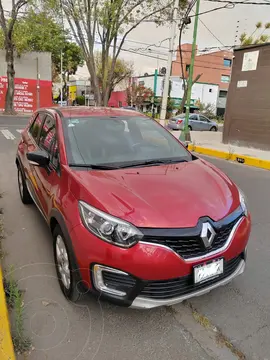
(190, 128)
(213, 128)
(23, 191)
(70, 282)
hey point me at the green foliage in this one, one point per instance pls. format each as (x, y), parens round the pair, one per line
(40, 32)
(112, 22)
(122, 71)
(14, 296)
(80, 100)
(207, 109)
(254, 38)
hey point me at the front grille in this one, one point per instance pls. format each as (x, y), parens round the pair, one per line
(187, 243)
(167, 289)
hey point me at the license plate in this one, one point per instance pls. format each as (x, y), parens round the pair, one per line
(208, 271)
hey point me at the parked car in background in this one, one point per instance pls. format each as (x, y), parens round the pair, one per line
(197, 122)
(135, 217)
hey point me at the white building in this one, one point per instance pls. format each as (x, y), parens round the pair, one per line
(203, 92)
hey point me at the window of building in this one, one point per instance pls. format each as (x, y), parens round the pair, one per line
(223, 94)
(187, 67)
(141, 83)
(227, 62)
(210, 90)
(225, 78)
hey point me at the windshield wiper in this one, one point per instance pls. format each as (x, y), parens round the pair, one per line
(153, 162)
(95, 166)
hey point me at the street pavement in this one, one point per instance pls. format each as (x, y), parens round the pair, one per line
(94, 330)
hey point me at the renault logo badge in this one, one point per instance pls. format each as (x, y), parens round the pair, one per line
(207, 234)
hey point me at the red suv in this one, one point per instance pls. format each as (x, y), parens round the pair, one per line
(135, 217)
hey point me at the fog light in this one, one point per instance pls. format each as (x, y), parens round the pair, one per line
(99, 281)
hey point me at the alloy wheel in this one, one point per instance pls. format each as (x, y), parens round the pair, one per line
(63, 261)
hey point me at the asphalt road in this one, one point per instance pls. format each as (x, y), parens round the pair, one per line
(93, 330)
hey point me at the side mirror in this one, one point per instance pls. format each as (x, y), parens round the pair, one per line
(38, 158)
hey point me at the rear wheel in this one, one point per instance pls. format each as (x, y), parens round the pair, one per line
(67, 272)
(190, 128)
(213, 128)
(24, 193)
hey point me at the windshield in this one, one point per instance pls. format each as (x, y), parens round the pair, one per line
(119, 141)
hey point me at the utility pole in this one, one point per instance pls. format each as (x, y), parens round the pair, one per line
(61, 66)
(155, 93)
(169, 66)
(38, 84)
(185, 135)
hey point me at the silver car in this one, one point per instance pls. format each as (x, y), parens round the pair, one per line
(196, 122)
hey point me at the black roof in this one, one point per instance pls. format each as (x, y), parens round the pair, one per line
(254, 46)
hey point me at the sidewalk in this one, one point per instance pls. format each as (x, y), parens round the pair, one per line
(210, 143)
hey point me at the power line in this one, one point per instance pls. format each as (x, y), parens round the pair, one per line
(211, 32)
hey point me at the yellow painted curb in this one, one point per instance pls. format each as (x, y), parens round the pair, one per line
(242, 159)
(6, 345)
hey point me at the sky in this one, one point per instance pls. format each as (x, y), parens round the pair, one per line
(223, 23)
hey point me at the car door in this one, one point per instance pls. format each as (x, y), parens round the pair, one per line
(46, 177)
(30, 143)
(204, 123)
(194, 122)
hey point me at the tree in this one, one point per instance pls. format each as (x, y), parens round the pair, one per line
(256, 38)
(184, 99)
(123, 71)
(7, 25)
(40, 32)
(138, 94)
(112, 21)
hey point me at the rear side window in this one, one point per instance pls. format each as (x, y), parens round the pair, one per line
(36, 127)
(47, 134)
(193, 117)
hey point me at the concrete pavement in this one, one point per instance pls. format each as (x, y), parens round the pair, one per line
(99, 330)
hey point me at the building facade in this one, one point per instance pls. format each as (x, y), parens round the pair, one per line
(203, 92)
(213, 68)
(33, 81)
(247, 117)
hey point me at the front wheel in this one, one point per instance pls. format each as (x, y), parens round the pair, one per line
(213, 128)
(24, 193)
(66, 269)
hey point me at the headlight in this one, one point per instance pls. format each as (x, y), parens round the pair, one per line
(243, 202)
(109, 228)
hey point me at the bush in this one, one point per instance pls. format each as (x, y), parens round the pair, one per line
(207, 110)
(80, 100)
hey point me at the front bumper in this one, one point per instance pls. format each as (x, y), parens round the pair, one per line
(155, 274)
(141, 294)
(146, 303)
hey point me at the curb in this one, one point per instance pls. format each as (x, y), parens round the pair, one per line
(6, 345)
(241, 159)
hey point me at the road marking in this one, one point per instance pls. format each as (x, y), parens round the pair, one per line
(19, 131)
(8, 135)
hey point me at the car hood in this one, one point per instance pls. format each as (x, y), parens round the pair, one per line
(166, 196)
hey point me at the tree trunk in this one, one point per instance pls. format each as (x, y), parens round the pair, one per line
(183, 103)
(9, 104)
(94, 82)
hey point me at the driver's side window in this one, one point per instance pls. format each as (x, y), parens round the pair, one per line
(48, 142)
